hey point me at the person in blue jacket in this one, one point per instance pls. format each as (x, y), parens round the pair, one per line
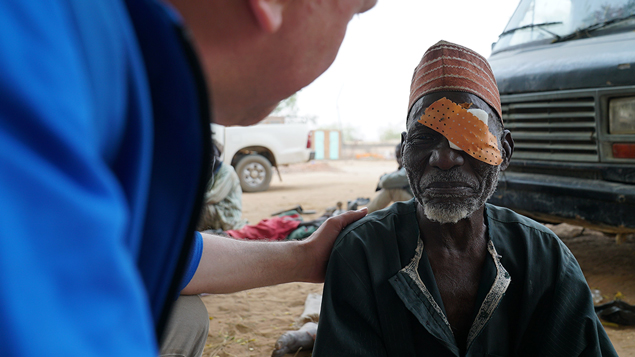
(104, 151)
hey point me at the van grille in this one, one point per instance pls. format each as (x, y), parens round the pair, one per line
(552, 129)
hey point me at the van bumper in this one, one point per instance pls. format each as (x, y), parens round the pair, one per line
(588, 201)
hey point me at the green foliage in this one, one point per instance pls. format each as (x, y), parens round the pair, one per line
(388, 134)
(288, 107)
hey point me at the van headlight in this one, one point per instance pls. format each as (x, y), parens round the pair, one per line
(622, 116)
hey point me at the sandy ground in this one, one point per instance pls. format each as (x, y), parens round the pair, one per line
(248, 323)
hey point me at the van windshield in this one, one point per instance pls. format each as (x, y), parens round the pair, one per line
(543, 21)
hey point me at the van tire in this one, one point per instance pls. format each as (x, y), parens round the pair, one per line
(254, 172)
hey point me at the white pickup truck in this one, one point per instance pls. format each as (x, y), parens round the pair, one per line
(254, 150)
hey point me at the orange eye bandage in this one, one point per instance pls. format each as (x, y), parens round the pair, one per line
(463, 129)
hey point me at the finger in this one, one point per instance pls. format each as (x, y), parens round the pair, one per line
(349, 217)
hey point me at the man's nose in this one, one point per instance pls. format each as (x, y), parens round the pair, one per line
(444, 157)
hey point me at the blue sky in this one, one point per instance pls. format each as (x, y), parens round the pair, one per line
(367, 86)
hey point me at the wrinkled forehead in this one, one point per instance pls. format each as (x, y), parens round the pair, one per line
(420, 106)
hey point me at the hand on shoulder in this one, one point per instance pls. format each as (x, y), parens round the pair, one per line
(316, 250)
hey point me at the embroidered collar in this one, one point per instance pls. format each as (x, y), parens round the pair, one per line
(490, 303)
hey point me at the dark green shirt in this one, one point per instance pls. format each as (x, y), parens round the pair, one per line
(381, 299)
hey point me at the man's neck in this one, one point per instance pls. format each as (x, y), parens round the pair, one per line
(462, 236)
(456, 253)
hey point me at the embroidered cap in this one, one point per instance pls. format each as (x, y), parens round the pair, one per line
(450, 67)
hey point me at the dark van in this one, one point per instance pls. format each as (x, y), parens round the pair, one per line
(566, 74)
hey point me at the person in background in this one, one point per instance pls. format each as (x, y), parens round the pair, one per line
(104, 149)
(223, 199)
(392, 187)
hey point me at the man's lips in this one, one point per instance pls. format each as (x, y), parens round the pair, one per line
(448, 184)
(450, 188)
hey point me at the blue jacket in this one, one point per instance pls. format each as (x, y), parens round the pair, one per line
(104, 134)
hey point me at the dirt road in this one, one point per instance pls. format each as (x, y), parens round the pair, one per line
(248, 323)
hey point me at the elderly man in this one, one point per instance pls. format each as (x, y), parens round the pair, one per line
(104, 130)
(446, 274)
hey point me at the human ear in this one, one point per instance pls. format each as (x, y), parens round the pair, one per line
(508, 149)
(404, 136)
(268, 13)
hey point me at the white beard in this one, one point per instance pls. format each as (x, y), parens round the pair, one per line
(451, 211)
(446, 213)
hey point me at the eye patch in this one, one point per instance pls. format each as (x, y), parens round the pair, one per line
(465, 129)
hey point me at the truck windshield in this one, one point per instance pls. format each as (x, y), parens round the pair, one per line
(543, 21)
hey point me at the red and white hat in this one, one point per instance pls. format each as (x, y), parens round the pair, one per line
(450, 67)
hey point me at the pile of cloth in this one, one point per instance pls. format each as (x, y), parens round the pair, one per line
(617, 312)
(286, 225)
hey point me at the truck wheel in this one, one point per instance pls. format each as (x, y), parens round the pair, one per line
(254, 172)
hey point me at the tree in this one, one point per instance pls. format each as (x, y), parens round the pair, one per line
(287, 107)
(387, 134)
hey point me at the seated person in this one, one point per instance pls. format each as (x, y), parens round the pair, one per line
(392, 187)
(223, 199)
(447, 274)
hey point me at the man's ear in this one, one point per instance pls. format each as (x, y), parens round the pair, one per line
(404, 136)
(508, 147)
(268, 13)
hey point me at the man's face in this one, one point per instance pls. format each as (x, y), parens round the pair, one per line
(307, 43)
(251, 69)
(316, 29)
(449, 184)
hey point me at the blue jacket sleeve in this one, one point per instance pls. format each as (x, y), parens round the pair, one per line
(193, 260)
(66, 261)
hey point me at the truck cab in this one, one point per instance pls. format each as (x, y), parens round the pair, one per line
(255, 150)
(566, 74)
